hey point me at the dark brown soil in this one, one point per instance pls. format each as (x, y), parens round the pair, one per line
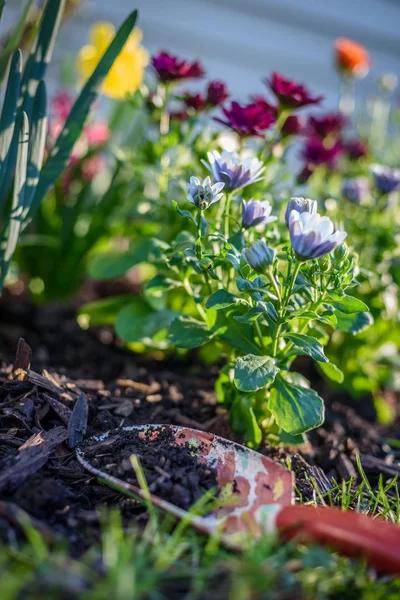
(82, 383)
(172, 471)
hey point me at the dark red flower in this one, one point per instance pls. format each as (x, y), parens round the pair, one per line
(171, 68)
(289, 93)
(195, 101)
(248, 120)
(293, 126)
(179, 115)
(217, 93)
(61, 105)
(262, 101)
(316, 152)
(356, 149)
(328, 125)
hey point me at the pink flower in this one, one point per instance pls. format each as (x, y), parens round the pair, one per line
(250, 120)
(217, 93)
(330, 124)
(97, 134)
(61, 105)
(317, 153)
(171, 68)
(289, 93)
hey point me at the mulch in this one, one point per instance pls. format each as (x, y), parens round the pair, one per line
(64, 385)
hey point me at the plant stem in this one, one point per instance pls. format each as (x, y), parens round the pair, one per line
(259, 334)
(227, 211)
(283, 309)
(189, 289)
(199, 251)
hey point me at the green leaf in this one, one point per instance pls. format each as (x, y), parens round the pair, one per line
(295, 409)
(243, 419)
(308, 344)
(221, 299)
(102, 312)
(183, 213)
(348, 304)
(114, 263)
(354, 323)
(13, 40)
(8, 122)
(251, 315)
(17, 206)
(332, 372)
(37, 143)
(71, 131)
(254, 372)
(137, 322)
(185, 332)
(237, 335)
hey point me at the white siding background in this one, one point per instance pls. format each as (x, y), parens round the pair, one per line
(242, 41)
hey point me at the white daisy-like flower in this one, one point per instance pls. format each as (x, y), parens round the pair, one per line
(232, 170)
(312, 235)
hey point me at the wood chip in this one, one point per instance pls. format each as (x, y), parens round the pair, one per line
(31, 457)
(78, 422)
(371, 463)
(59, 408)
(23, 356)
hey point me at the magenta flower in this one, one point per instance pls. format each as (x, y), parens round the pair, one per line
(249, 120)
(217, 93)
(262, 101)
(195, 101)
(356, 149)
(171, 68)
(289, 93)
(61, 105)
(293, 126)
(316, 152)
(329, 125)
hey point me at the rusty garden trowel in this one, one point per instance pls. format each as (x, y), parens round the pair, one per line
(263, 502)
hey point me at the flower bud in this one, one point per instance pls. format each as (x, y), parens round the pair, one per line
(203, 194)
(259, 256)
(341, 253)
(300, 205)
(325, 264)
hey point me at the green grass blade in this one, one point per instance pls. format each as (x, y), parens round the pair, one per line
(7, 120)
(65, 142)
(2, 3)
(14, 38)
(41, 52)
(37, 144)
(15, 218)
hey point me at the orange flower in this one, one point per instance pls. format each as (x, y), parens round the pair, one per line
(352, 58)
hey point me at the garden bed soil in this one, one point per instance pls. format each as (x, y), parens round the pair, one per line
(173, 471)
(81, 383)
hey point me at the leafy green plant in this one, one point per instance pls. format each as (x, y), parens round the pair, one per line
(23, 129)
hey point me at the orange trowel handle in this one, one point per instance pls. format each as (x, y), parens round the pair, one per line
(350, 533)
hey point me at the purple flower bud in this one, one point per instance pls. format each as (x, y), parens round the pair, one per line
(289, 93)
(259, 256)
(232, 170)
(355, 189)
(387, 180)
(256, 213)
(217, 93)
(313, 236)
(300, 205)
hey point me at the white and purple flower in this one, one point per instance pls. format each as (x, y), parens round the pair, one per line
(256, 213)
(202, 194)
(300, 205)
(312, 235)
(386, 179)
(233, 171)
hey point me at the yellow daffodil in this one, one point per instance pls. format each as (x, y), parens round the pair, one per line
(126, 74)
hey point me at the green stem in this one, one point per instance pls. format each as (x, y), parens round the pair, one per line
(259, 334)
(283, 309)
(189, 290)
(227, 212)
(199, 251)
